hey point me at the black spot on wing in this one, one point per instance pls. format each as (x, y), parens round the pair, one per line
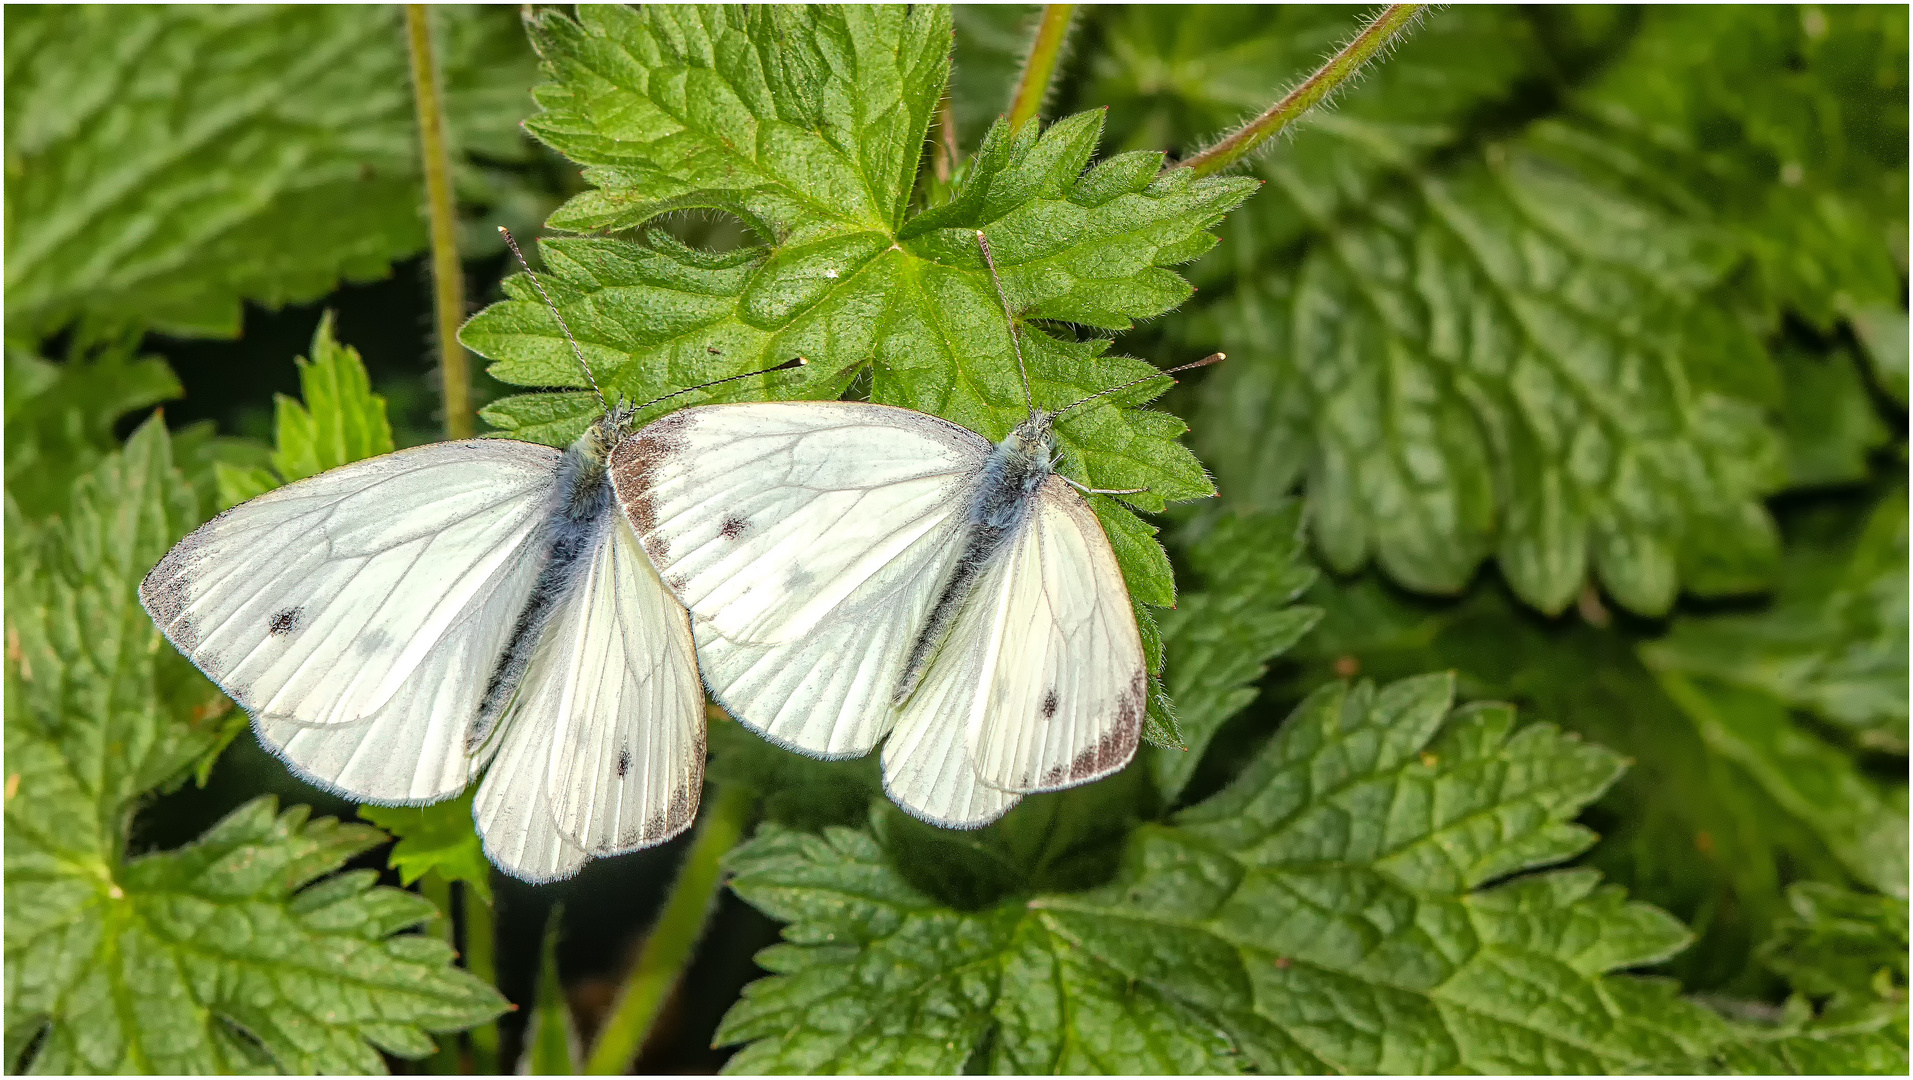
(733, 528)
(285, 622)
(1049, 704)
(624, 763)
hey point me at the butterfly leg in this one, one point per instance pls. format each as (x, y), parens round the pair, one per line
(1102, 491)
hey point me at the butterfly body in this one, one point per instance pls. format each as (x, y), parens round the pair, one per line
(398, 625)
(859, 573)
(1015, 470)
(573, 526)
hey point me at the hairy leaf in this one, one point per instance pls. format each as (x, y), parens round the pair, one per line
(1325, 912)
(436, 839)
(1221, 638)
(1834, 642)
(1498, 364)
(809, 128)
(166, 163)
(340, 421)
(232, 953)
(1175, 78)
(1729, 797)
(1785, 125)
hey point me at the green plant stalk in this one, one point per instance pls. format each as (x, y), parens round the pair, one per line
(1393, 20)
(668, 950)
(439, 891)
(1040, 67)
(481, 959)
(448, 276)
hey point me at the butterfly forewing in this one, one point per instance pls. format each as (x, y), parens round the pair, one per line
(808, 540)
(317, 602)
(414, 750)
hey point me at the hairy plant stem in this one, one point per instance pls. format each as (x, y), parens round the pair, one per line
(1040, 67)
(1377, 34)
(481, 959)
(448, 277)
(681, 923)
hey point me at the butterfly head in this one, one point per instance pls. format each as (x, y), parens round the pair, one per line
(1033, 443)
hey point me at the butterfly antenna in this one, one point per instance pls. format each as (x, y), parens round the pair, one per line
(990, 261)
(559, 315)
(793, 362)
(1212, 358)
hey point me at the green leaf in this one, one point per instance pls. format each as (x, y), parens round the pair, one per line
(232, 953)
(436, 839)
(340, 421)
(1176, 78)
(1809, 779)
(1884, 334)
(1326, 912)
(1847, 948)
(552, 1047)
(1829, 418)
(1785, 125)
(1221, 638)
(1728, 799)
(60, 416)
(808, 127)
(165, 164)
(1834, 642)
(1499, 363)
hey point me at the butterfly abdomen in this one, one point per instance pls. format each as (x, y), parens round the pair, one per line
(580, 510)
(1009, 480)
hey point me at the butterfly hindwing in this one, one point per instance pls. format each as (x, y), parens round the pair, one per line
(1065, 685)
(602, 748)
(809, 540)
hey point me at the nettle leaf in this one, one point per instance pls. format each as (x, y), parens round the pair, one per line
(340, 421)
(1326, 912)
(60, 416)
(165, 164)
(1846, 948)
(1499, 363)
(436, 839)
(809, 128)
(1222, 637)
(232, 953)
(1786, 126)
(1846, 951)
(1829, 418)
(1834, 641)
(1729, 796)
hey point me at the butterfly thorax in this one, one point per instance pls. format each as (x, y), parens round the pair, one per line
(1010, 477)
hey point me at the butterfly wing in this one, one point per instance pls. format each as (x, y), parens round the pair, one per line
(317, 601)
(414, 750)
(927, 763)
(354, 614)
(602, 750)
(808, 540)
(1066, 685)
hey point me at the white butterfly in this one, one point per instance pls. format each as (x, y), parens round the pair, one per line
(856, 571)
(395, 624)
